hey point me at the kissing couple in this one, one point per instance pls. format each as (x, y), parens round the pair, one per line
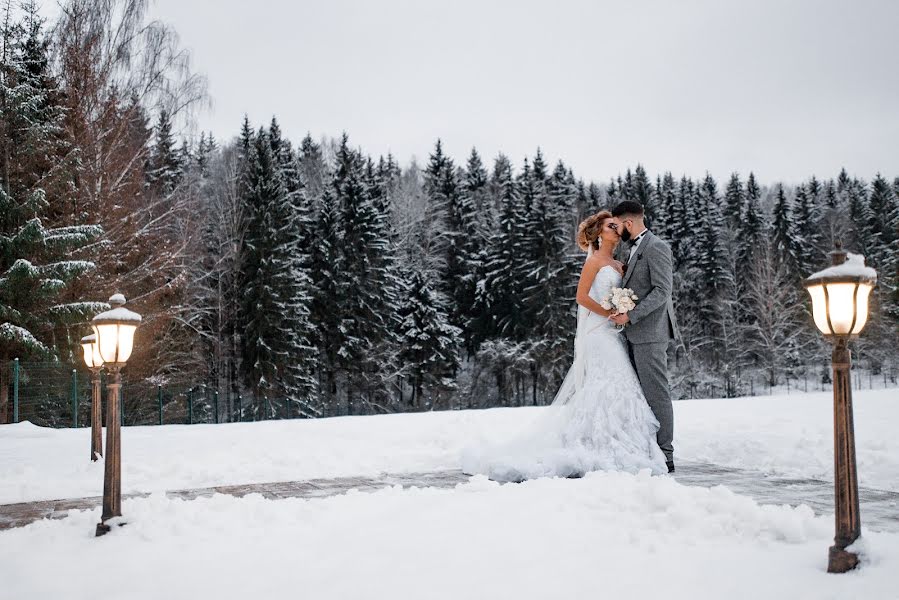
(613, 410)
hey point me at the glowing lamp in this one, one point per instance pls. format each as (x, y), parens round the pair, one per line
(115, 331)
(92, 356)
(840, 294)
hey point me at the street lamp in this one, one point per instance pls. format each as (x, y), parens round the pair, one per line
(94, 363)
(840, 309)
(114, 331)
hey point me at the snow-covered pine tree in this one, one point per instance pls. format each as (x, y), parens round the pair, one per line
(681, 215)
(313, 169)
(785, 238)
(362, 290)
(551, 280)
(750, 229)
(709, 260)
(164, 163)
(325, 264)
(38, 263)
(734, 201)
(428, 343)
(880, 229)
(499, 299)
(709, 246)
(643, 192)
(298, 379)
(477, 229)
(595, 201)
(270, 311)
(805, 217)
(667, 207)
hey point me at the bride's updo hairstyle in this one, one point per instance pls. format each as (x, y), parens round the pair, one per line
(590, 228)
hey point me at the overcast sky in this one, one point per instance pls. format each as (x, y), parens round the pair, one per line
(784, 88)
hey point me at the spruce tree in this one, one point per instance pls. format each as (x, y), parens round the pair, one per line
(499, 299)
(787, 246)
(165, 162)
(734, 201)
(325, 266)
(39, 263)
(428, 343)
(362, 300)
(750, 230)
(273, 308)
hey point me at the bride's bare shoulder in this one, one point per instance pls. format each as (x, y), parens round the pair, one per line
(605, 262)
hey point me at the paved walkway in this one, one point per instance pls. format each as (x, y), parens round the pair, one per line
(880, 508)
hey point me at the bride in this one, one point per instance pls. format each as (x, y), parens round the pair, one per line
(599, 419)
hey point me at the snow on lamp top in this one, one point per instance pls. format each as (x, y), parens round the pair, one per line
(840, 294)
(114, 329)
(854, 266)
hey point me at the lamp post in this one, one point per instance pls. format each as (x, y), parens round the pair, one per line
(840, 309)
(94, 362)
(114, 331)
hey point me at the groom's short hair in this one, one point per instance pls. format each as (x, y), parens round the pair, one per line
(630, 208)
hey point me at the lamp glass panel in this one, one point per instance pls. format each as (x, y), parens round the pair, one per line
(842, 306)
(864, 290)
(95, 350)
(88, 355)
(126, 341)
(107, 340)
(819, 309)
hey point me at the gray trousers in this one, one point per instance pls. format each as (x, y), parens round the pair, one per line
(651, 363)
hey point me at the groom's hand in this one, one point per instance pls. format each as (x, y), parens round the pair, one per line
(620, 319)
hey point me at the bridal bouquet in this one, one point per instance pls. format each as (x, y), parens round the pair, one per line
(621, 300)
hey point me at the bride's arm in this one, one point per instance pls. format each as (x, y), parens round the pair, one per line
(588, 274)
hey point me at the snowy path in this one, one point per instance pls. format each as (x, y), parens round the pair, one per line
(880, 508)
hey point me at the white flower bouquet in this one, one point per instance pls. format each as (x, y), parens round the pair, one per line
(619, 300)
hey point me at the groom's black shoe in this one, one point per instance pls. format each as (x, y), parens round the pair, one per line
(670, 465)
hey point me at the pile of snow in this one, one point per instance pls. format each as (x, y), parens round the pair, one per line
(609, 535)
(786, 435)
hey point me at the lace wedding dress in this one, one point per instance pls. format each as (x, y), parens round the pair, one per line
(599, 419)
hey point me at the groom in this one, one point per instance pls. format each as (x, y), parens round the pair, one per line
(651, 325)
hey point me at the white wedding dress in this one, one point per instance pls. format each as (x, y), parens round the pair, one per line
(599, 419)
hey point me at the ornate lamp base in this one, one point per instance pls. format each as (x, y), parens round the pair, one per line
(841, 560)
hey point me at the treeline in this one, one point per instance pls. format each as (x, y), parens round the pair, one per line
(316, 280)
(356, 286)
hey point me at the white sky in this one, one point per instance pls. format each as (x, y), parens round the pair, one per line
(786, 88)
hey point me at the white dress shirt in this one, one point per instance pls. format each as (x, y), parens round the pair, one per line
(636, 244)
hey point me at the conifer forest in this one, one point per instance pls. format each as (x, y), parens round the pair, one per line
(301, 271)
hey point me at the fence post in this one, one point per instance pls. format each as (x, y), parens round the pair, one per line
(159, 401)
(239, 409)
(15, 390)
(190, 406)
(215, 401)
(73, 393)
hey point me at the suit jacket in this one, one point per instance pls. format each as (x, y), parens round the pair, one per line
(649, 274)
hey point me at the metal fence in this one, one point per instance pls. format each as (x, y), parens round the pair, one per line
(52, 394)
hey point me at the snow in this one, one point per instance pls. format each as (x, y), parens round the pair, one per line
(609, 535)
(789, 435)
(118, 314)
(854, 266)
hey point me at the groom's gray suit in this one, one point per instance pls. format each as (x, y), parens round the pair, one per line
(652, 325)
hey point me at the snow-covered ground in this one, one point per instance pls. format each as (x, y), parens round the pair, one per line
(787, 435)
(608, 535)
